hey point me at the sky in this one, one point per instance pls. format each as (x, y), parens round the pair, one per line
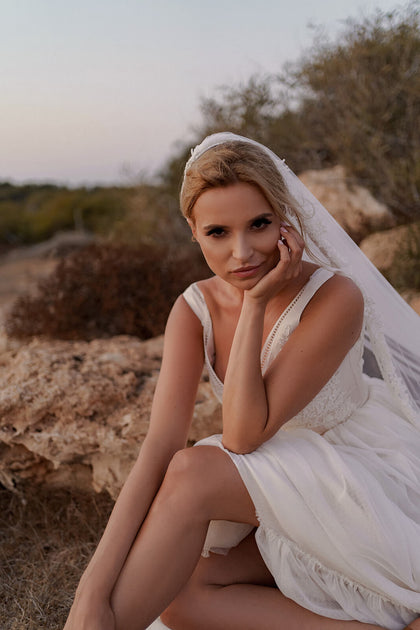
(100, 91)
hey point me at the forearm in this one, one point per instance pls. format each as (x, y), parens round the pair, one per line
(245, 408)
(127, 516)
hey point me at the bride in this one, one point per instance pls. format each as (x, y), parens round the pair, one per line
(305, 512)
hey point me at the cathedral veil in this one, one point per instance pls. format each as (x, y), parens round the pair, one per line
(392, 328)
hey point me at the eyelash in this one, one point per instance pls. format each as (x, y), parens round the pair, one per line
(262, 221)
(258, 224)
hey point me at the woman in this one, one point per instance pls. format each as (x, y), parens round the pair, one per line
(322, 460)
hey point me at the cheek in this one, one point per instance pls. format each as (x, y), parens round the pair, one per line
(271, 249)
(212, 253)
(271, 240)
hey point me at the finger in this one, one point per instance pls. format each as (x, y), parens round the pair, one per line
(286, 267)
(294, 240)
(292, 230)
(284, 251)
(295, 245)
(289, 232)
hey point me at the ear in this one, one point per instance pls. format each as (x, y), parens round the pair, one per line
(193, 228)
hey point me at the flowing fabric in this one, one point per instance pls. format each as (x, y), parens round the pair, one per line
(392, 326)
(337, 488)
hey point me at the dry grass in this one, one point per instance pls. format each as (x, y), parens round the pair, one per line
(46, 540)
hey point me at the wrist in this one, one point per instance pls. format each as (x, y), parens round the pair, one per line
(92, 589)
(257, 303)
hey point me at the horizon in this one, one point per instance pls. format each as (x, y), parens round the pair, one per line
(99, 94)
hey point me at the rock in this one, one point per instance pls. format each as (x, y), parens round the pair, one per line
(381, 247)
(352, 206)
(414, 302)
(74, 414)
(413, 299)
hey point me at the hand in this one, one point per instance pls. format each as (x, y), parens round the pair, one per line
(85, 615)
(288, 267)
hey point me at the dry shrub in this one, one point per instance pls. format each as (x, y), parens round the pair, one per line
(351, 100)
(404, 273)
(46, 540)
(105, 290)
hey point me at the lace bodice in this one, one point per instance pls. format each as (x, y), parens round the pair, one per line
(344, 392)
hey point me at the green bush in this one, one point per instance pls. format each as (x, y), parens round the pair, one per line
(152, 215)
(29, 214)
(104, 290)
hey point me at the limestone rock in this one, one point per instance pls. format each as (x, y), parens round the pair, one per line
(414, 302)
(382, 247)
(75, 413)
(413, 299)
(352, 206)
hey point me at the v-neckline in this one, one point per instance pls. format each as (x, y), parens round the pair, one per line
(271, 335)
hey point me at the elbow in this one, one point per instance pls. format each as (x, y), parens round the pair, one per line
(239, 445)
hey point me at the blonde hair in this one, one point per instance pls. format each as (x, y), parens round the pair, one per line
(231, 163)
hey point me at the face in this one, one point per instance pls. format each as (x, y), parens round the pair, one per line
(238, 232)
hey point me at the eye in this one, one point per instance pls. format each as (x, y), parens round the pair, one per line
(216, 232)
(260, 223)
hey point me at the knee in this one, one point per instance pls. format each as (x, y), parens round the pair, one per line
(173, 616)
(179, 615)
(188, 481)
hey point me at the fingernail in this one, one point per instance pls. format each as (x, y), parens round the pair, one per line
(283, 229)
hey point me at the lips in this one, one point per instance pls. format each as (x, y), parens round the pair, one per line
(246, 272)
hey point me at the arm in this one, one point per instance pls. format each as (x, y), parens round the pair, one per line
(171, 415)
(255, 407)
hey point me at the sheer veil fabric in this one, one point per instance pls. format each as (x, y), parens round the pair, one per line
(392, 328)
(373, 575)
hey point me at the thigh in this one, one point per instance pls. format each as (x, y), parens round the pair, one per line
(242, 565)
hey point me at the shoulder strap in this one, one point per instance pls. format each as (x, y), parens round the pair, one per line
(318, 278)
(195, 300)
(290, 318)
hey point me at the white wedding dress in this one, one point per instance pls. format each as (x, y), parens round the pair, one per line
(336, 489)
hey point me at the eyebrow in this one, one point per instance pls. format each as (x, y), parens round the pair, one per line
(263, 215)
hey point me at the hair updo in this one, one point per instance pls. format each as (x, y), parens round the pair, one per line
(231, 163)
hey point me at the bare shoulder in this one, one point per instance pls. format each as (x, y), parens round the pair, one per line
(183, 341)
(208, 283)
(338, 302)
(338, 292)
(217, 294)
(182, 318)
(210, 287)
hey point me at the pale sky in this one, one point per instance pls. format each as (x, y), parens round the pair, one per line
(92, 88)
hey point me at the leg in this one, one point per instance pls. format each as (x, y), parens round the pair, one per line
(201, 484)
(238, 592)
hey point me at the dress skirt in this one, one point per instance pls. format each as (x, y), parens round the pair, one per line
(339, 514)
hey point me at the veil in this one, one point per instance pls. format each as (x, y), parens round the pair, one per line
(392, 328)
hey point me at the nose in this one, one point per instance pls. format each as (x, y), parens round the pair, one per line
(241, 248)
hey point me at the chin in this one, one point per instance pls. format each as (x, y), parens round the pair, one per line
(244, 283)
